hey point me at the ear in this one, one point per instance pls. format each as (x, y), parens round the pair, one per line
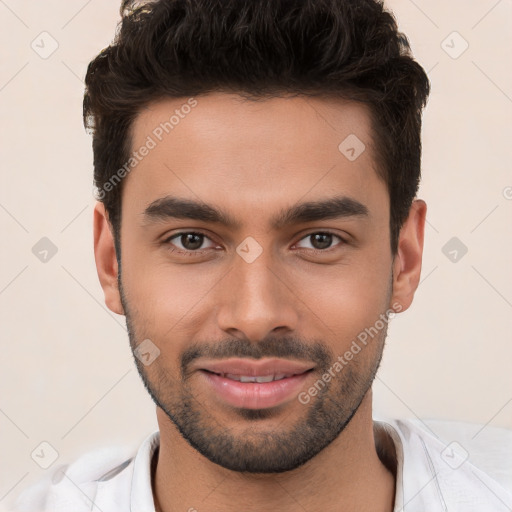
(106, 262)
(407, 261)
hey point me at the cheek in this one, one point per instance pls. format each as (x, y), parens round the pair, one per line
(167, 301)
(347, 298)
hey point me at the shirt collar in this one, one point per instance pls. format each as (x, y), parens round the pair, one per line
(141, 499)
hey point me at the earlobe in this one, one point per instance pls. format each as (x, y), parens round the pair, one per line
(106, 261)
(407, 262)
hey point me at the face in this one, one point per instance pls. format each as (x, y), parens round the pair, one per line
(253, 247)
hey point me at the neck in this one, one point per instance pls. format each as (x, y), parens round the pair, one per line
(347, 475)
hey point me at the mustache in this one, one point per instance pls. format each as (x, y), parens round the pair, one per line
(280, 347)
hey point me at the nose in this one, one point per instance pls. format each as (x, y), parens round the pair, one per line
(257, 300)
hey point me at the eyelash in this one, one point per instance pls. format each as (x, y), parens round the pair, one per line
(167, 242)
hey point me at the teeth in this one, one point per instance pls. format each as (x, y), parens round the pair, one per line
(252, 378)
(266, 378)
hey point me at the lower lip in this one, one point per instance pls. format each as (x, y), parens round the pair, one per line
(256, 395)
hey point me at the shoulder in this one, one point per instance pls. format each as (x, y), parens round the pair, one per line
(485, 447)
(461, 464)
(77, 486)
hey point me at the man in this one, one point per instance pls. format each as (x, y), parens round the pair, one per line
(257, 164)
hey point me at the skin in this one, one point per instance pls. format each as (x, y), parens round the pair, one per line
(252, 160)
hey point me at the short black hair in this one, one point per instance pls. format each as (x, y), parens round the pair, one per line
(350, 49)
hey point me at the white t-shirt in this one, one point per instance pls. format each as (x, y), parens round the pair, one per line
(432, 476)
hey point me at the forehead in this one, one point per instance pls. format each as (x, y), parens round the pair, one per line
(243, 123)
(222, 148)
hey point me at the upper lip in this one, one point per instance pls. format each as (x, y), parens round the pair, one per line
(253, 368)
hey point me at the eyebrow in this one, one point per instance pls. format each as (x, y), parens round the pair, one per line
(170, 207)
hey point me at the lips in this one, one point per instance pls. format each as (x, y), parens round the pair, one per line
(254, 384)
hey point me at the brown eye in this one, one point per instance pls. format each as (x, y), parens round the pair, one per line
(321, 241)
(191, 241)
(188, 241)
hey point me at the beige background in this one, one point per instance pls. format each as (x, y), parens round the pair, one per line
(66, 373)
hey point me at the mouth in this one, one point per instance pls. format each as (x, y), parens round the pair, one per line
(253, 384)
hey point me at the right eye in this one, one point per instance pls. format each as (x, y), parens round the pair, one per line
(186, 242)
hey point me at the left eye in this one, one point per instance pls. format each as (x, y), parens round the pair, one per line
(321, 240)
